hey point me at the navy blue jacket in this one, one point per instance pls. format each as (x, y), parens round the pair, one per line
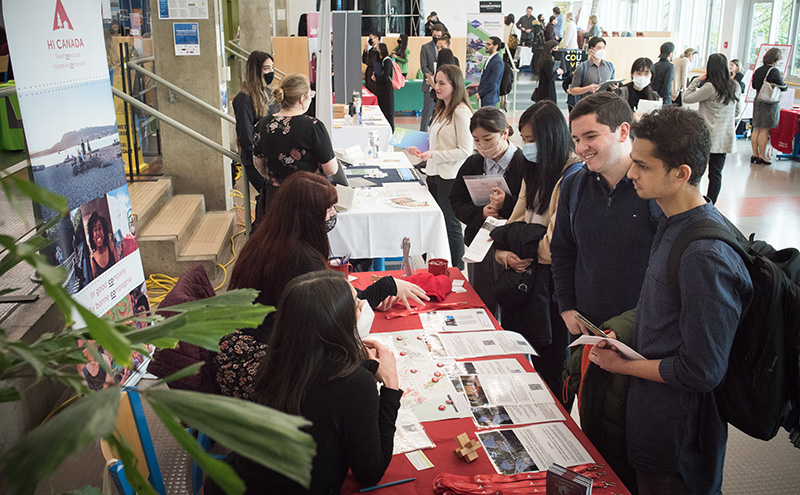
(599, 271)
(692, 335)
(489, 88)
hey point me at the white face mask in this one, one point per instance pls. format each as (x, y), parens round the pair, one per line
(600, 54)
(365, 319)
(641, 82)
(531, 152)
(492, 152)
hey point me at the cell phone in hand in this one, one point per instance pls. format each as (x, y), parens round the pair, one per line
(591, 326)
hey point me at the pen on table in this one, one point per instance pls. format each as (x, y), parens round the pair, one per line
(398, 482)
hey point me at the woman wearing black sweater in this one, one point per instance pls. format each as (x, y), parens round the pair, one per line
(318, 367)
(385, 90)
(496, 155)
(546, 90)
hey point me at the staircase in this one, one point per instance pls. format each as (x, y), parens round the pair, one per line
(175, 231)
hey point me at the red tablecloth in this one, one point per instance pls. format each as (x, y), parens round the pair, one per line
(367, 97)
(443, 433)
(782, 137)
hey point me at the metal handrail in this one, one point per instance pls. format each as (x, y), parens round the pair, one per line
(197, 137)
(247, 54)
(181, 92)
(236, 54)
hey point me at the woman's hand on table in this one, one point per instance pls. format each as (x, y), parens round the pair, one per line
(518, 265)
(407, 290)
(387, 303)
(387, 364)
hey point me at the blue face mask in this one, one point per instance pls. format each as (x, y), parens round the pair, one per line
(531, 152)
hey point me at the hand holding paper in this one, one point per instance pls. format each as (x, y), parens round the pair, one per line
(623, 349)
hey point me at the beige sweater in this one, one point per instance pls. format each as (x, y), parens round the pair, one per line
(520, 214)
(450, 143)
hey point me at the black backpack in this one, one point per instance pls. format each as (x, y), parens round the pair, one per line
(507, 81)
(762, 383)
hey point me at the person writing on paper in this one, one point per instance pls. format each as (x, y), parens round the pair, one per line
(719, 99)
(549, 153)
(685, 326)
(765, 115)
(639, 88)
(496, 156)
(290, 141)
(450, 144)
(317, 366)
(589, 75)
(292, 240)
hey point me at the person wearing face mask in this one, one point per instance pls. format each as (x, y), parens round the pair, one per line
(290, 241)
(370, 58)
(251, 104)
(430, 24)
(546, 90)
(496, 155)
(589, 75)
(427, 64)
(549, 156)
(289, 141)
(316, 366)
(639, 88)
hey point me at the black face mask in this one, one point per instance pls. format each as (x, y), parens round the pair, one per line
(268, 78)
(330, 223)
(370, 42)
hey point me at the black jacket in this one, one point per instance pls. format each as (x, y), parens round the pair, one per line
(461, 202)
(663, 72)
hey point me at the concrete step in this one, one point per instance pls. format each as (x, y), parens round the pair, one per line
(210, 244)
(165, 237)
(148, 198)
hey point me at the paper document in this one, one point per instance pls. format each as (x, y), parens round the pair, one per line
(626, 351)
(494, 416)
(409, 434)
(533, 448)
(482, 243)
(403, 138)
(647, 106)
(475, 344)
(480, 187)
(457, 320)
(506, 390)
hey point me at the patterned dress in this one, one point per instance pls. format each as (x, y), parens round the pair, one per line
(291, 144)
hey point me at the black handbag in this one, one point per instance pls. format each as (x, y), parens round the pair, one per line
(513, 289)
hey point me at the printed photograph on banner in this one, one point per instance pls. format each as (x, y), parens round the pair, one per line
(71, 250)
(123, 221)
(480, 27)
(102, 244)
(96, 377)
(76, 155)
(506, 452)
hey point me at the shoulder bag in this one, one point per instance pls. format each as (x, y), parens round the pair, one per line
(769, 93)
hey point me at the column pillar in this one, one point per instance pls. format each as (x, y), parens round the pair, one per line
(194, 168)
(256, 25)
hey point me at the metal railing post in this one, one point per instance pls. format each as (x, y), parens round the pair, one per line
(123, 69)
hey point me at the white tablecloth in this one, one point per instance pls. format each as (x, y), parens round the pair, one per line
(346, 134)
(375, 229)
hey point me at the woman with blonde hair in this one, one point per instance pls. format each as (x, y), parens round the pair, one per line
(683, 65)
(450, 144)
(252, 103)
(570, 39)
(290, 141)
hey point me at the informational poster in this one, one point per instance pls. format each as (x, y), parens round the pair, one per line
(187, 38)
(480, 27)
(182, 9)
(783, 64)
(64, 91)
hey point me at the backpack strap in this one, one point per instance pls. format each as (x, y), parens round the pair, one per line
(702, 229)
(578, 186)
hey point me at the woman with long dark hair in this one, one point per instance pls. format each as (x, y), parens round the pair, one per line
(402, 53)
(385, 90)
(104, 252)
(550, 154)
(251, 104)
(718, 96)
(496, 155)
(450, 144)
(318, 367)
(765, 115)
(290, 241)
(546, 90)
(639, 88)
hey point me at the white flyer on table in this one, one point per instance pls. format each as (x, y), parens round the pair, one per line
(533, 448)
(626, 351)
(409, 434)
(480, 187)
(457, 320)
(482, 243)
(476, 344)
(507, 390)
(494, 416)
